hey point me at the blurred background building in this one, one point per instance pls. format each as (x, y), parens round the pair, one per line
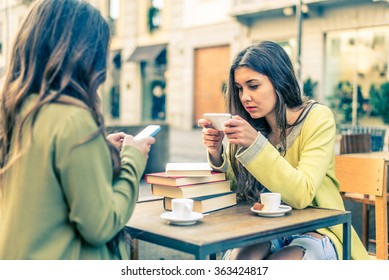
(169, 59)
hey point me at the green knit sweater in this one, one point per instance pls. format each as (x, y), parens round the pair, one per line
(59, 199)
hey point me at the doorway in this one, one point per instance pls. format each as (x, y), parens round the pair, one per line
(211, 66)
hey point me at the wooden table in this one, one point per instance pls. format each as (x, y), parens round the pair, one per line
(230, 228)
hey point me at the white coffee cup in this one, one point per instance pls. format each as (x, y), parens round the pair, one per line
(182, 207)
(270, 201)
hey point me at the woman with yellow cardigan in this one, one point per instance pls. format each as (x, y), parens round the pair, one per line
(279, 142)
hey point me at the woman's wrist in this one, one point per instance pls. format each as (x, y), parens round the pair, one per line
(216, 156)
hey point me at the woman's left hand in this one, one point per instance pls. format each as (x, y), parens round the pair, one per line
(240, 132)
(116, 139)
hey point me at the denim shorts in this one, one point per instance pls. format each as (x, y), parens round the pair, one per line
(315, 248)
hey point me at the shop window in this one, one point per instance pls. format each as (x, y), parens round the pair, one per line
(113, 15)
(355, 62)
(154, 15)
(1, 38)
(114, 93)
(154, 91)
(290, 46)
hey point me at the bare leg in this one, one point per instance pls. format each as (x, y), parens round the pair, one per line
(253, 252)
(288, 253)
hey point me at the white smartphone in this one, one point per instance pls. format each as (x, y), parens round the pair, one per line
(149, 130)
(217, 119)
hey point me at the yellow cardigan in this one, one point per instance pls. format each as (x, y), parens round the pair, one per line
(59, 199)
(305, 176)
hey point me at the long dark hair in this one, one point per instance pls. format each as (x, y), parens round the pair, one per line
(271, 60)
(60, 50)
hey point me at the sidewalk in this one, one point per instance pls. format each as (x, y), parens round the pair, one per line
(185, 146)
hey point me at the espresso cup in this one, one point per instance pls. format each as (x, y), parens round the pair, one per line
(182, 207)
(270, 201)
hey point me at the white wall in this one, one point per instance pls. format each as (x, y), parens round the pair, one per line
(194, 24)
(205, 12)
(11, 16)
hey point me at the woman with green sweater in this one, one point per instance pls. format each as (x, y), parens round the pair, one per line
(279, 142)
(67, 191)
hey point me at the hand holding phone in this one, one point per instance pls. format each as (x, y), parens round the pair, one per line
(217, 119)
(149, 130)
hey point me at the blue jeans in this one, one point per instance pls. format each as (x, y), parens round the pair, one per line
(314, 248)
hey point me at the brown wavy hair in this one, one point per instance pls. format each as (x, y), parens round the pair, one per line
(271, 60)
(60, 50)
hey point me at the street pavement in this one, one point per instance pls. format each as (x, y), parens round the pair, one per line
(184, 146)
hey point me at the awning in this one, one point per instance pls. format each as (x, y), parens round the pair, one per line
(147, 53)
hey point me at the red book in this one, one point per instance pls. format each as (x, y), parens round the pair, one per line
(161, 178)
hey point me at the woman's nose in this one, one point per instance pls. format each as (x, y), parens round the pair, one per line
(245, 95)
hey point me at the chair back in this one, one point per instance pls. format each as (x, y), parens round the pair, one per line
(360, 175)
(366, 176)
(355, 143)
(377, 135)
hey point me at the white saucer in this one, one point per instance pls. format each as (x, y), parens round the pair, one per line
(280, 212)
(169, 216)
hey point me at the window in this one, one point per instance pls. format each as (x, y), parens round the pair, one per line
(1, 38)
(290, 46)
(154, 18)
(356, 61)
(113, 15)
(114, 9)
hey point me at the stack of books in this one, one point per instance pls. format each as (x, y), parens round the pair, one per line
(210, 190)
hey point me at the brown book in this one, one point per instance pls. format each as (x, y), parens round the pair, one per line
(209, 203)
(161, 178)
(190, 191)
(188, 169)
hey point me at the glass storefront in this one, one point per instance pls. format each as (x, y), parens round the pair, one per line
(154, 88)
(356, 62)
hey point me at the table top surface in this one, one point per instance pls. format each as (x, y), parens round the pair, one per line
(227, 224)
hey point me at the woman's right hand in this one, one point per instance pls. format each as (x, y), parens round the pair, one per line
(212, 139)
(143, 144)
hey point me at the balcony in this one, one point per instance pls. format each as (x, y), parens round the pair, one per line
(246, 11)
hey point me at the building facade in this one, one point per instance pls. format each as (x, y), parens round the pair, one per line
(169, 59)
(12, 13)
